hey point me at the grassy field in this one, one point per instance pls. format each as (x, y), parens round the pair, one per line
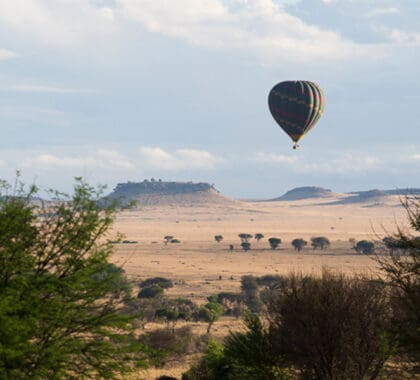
(199, 266)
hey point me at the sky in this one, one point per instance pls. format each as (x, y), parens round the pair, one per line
(123, 90)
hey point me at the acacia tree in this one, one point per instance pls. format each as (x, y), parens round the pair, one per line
(245, 237)
(320, 242)
(218, 238)
(299, 244)
(59, 295)
(365, 246)
(258, 236)
(274, 242)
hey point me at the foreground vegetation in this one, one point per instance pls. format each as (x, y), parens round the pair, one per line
(67, 312)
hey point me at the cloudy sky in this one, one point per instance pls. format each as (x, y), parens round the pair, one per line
(117, 90)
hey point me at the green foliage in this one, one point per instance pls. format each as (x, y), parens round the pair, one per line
(249, 287)
(245, 237)
(258, 236)
(243, 356)
(169, 345)
(164, 283)
(274, 242)
(150, 292)
(218, 238)
(209, 313)
(331, 327)
(401, 266)
(320, 242)
(299, 244)
(175, 241)
(60, 298)
(213, 366)
(364, 246)
(246, 246)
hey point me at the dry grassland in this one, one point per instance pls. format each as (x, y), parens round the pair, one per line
(200, 266)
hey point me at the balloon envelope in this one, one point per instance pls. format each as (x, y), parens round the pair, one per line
(296, 106)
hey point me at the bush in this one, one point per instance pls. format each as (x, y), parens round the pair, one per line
(163, 282)
(218, 238)
(150, 292)
(246, 246)
(299, 244)
(244, 237)
(401, 266)
(251, 297)
(166, 344)
(331, 327)
(364, 246)
(61, 300)
(274, 242)
(258, 236)
(320, 242)
(175, 241)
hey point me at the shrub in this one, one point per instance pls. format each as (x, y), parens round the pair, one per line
(244, 237)
(166, 344)
(274, 242)
(258, 236)
(299, 244)
(246, 246)
(401, 266)
(331, 327)
(364, 246)
(218, 238)
(150, 292)
(175, 241)
(320, 242)
(249, 287)
(163, 282)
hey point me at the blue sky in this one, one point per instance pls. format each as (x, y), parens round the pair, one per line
(118, 90)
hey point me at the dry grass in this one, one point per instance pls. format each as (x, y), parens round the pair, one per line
(197, 262)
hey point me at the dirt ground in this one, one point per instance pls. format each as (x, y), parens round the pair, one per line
(200, 266)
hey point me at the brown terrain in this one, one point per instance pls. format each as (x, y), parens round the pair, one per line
(200, 266)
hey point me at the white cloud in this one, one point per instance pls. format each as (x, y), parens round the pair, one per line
(260, 26)
(382, 11)
(415, 156)
(349, 163)
(101, 159)
(48, 89)
(6, 54)
(180, 159)
(271, 158)
(57, 23)
(400, 37)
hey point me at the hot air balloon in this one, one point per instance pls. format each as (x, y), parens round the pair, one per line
(296, 106)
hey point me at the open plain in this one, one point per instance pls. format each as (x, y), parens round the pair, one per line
(200, 266)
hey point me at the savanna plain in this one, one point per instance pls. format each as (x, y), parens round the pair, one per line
(199, 266)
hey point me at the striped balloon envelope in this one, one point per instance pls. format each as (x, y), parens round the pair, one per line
(296, 106)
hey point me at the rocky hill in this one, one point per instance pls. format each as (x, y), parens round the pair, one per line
(155, 193)
(305, 192)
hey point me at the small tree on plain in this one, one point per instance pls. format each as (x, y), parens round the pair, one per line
(218, 238)
(245, 237)
(231, 247)
(320, 242)
(299, 244)
(274, 242)
(364, 246)
(246, 246)
(258, 236)
(210, 313)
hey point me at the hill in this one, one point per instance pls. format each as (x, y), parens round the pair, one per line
(305, 192)
(155, 193)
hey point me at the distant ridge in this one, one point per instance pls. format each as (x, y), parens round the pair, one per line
(155, 193)
(305, 192)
